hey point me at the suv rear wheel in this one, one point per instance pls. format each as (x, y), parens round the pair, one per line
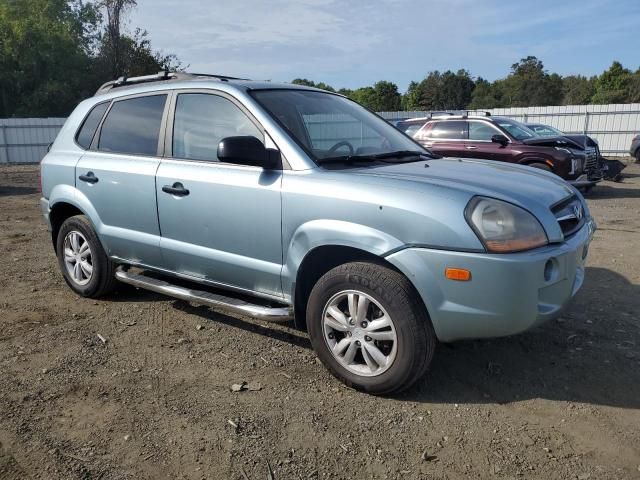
(369, 328)
(83, 262)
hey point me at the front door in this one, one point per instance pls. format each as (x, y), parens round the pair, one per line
(117, 175)
(480, 144)
(219, 222)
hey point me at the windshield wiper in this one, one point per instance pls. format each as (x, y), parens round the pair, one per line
(385, 157)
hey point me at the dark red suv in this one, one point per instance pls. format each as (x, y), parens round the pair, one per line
(506, 140)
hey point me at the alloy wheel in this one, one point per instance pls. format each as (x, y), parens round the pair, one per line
(77, 258)
(359, 333)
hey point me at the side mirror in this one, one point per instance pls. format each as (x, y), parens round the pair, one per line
(248, 150)
(501, 139)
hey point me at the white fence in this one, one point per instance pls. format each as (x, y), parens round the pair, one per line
(614, 126)
(25, 140)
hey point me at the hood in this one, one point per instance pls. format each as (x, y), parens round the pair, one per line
(560, 141)
(583, 140)
(530, 188)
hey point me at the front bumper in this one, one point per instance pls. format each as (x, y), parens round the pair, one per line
(507, 293)
(583, 181)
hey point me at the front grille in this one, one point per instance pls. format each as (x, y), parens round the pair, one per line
(570, 215)
(591, 164)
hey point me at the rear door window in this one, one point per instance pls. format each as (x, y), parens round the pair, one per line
(133, 126)
(90, 124)
(449, 130)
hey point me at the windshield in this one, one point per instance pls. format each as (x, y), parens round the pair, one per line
(331, 126)
(545, 130)
(517, 130)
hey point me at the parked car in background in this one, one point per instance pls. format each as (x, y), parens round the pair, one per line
(635, 148)
(507, 140)
(611, 168)
(286, 202)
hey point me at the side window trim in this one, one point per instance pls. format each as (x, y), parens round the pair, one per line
(160, 148)
(84, 120)
(171, 115)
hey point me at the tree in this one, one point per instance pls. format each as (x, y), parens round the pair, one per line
(612, 86)
(113, 43)
(410, 100)
(529, 84)
(486, 95)
(386, 96)
(577, 90)
(443, 91)
(634, 88)
(44, 56)
(309, 83)
(53, 53)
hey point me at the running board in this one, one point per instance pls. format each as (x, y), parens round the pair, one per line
(216, 301)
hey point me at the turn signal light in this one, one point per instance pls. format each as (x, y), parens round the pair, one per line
(458, 274)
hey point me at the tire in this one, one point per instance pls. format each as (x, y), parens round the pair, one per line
(89, 275)
(389, 294)
(638, 156)
(541, 166)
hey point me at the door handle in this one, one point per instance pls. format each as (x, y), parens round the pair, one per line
(176, 189)
(471, 147)
(89, 177)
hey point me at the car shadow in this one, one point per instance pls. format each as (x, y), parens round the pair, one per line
(606, 191)
(13, 191)
(590, 355)
(283, 331)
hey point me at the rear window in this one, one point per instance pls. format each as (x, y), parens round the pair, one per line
(90, 124)
(449, 130)
(133, 126)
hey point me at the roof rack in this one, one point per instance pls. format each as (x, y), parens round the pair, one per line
(158, 77)
(475, 112)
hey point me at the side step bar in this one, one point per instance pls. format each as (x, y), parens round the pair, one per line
(216, 301)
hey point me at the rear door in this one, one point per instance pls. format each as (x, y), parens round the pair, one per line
(446, 137)
(226, 226)
(117, 175)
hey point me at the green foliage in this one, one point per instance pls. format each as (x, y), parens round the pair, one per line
(44, 46)
(309, 83)
(613, 85)
(529, 84)
(486, 95)
(442, 91)
(577, 90)
(54, 53)
(382, 97)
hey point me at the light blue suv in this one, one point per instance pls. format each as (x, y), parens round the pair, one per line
(280, 201)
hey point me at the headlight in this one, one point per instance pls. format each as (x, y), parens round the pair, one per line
(503, 227)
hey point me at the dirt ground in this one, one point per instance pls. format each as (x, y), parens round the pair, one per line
(154, 400)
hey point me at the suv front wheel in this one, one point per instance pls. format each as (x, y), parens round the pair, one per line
(369, 328)
(83, 262)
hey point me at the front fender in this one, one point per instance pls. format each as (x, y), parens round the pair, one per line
(318, 233)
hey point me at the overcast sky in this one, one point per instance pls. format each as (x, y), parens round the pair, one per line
(349, 43)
